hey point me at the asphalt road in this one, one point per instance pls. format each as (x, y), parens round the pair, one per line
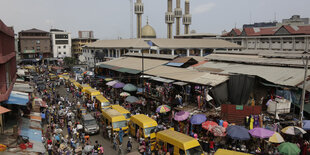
(107, 145)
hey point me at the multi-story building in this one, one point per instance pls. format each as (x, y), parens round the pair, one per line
(85, 37)
(34, 44)
(7, 61)
(296, 20)
(61, 43)
(284, 38)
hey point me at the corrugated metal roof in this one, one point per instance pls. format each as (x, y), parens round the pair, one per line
(159, 56)
(186, 75)
(285, 76)
(133, 63)
(174, 64)
(255, 59)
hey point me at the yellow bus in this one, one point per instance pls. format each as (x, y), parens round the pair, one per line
(92, 93)
(102, 102)
(76, 84)
(114, 119)
(144, 124)
(122, 110)
(178, 142)
(84, 87)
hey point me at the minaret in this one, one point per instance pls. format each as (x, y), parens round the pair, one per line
(169, 19)
(178, 15)
(139, 8)
(187, 18)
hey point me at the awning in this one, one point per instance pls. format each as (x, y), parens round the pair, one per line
(18, 98)
(180, 83)
(174, 64)
(162, 80)
(146, 76)
(106, 66)
(4, 110)
(100, 77)
(127, 70)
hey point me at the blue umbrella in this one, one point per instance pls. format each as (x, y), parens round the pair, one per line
(131, 99)
(198, 119)
(130, 87)
(238, 132)
(306, 124)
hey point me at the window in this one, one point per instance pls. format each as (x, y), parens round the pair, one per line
(61, 41)
(64, 47)
(38, 48)
(59, 53)
(61, 36)
(38, 41)
(59, 47)
(33, 48)
(64, 52)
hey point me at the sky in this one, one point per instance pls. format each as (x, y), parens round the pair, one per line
(110, 19)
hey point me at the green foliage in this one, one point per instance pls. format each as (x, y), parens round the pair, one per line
(70, 61)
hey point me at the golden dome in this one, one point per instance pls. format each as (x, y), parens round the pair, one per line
(148, 31)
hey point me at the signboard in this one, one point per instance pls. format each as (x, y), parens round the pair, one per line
(29, 51)
(239, 107)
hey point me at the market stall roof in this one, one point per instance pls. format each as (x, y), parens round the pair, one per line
(18, 98)
(23, 87)
(285, 76)
(132, 65)
(186, 75)
(4, 110)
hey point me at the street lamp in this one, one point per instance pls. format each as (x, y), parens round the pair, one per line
(305, 59)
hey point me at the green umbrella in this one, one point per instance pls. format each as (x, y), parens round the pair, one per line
(130, 87)
(288, 149)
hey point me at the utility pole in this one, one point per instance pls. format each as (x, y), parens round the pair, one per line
(131, 19)
(305, 59)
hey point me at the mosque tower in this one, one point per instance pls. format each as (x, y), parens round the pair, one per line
(187, 18)
(178, 16)
(169, 17)
(139, 8)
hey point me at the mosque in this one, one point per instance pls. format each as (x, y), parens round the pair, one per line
(149, 32)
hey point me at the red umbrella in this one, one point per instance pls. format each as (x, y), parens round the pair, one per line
(218, 131)
(208, 125)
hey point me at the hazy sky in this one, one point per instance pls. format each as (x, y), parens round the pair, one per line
(110, 19)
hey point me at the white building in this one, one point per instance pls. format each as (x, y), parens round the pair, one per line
(61, 43)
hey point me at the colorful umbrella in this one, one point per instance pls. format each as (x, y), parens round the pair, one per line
(293, 130)
(261, 133)
(130, 87)
(218, 131)
(198, 119)
(288, 149)
(111, 83)
(181, 115)
(124, 94)
(163, 109)
(118, 85)
(131, 99)
(208, 125)
(238, 132)
(276, 138)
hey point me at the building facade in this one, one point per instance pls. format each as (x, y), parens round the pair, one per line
(284, 38)
(61, 43)
(34, 44)
(7, 61)
(111, 49)
(296, 21)
(78, 43)
(86, 34)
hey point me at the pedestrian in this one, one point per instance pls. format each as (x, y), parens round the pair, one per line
(120, 135)
(129, 145)
(101, 150)
(49, 148)
(114, 142)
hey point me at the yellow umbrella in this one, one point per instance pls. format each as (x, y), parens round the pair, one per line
(276, 138)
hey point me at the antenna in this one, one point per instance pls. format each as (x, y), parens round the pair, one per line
(131, 19)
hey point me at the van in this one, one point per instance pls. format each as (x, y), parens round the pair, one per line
(177, 142)
(84, 87)
(145, 124)
(102, 102)
(90, 124)
(116, 120)
(122, 110)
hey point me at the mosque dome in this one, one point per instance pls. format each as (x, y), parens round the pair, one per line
(148, 31)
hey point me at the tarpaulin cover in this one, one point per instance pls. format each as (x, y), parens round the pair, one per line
(239, 88)
(18, 99)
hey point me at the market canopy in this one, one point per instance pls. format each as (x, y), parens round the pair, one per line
(18, 98)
